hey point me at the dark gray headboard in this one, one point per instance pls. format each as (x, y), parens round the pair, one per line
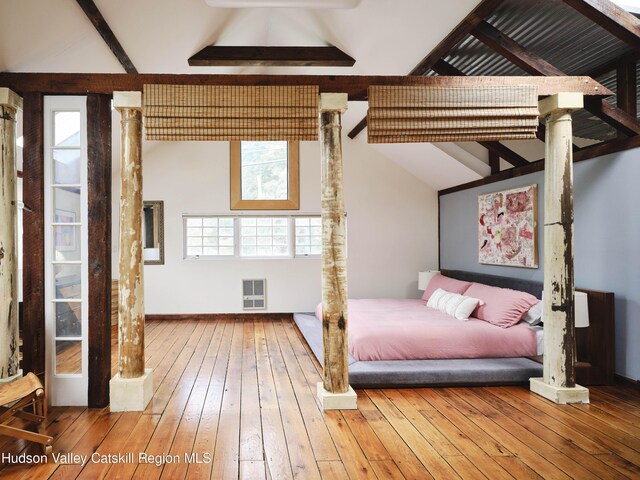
(529, 286)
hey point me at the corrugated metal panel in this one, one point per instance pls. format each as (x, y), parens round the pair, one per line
(555, 32)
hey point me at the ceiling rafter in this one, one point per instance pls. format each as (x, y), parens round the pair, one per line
(613, 18)
(535, 65)
(93, 14)
(483, 10)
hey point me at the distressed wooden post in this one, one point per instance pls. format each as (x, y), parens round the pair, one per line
(558, 382)
(10, 102)
(334, 391)
(132, 388)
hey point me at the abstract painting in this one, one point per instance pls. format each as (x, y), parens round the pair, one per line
(507, 224)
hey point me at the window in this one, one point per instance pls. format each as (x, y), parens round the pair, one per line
(308, 236)
(209, 237)
(265, 176)
(258, 236)
(264, 237)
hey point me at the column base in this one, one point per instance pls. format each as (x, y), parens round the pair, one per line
(131, 394)
(561, 395)
(337, 401)
(11, 379)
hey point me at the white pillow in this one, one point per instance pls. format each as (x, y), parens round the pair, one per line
(453, 304)
(534, 315)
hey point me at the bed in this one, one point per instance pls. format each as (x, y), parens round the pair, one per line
(405, 343)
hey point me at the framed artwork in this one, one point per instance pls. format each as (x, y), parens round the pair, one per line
(65, 235)
(507, 227)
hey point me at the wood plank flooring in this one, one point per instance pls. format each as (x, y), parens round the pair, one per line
(238, 399)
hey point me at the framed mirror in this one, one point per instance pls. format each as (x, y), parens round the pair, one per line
(153, 232)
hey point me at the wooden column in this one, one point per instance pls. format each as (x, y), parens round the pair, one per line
(334, 391)
(131, 286)
(10, 102)
(99, 213)
(558, 382)
(132, 388)
(33, 328)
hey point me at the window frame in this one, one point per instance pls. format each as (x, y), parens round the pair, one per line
(293, 190)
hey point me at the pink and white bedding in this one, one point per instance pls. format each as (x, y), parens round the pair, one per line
(389, 329)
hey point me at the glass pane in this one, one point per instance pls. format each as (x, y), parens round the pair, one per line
(264, 167)
(265, 251)
(66, 127)
(226, 232)
(194, 241)
(66, 204)
(68, 357)
(247, 231)
(194, 251)
(302, 231)
(304, 240)
(280, 222)
(281, 251)
(264, 241)
(67, 281)
(68, 319)
(226, 241)
(66, 166)
(248, 222)
(316, 250)
(316, 222)
(280, 240)
(210, 241)
(316, 230)
(194, 232)
(302, 222)
(226, 250)
(248, 251)
(302, 250)
(265, 222)
(210, 222)
(280, 231)
(194, 222)
(316, 241)
(210, 232)
(226, 222)
(210, 251)
(66, 243)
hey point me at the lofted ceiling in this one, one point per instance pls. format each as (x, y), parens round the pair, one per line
(386, 37)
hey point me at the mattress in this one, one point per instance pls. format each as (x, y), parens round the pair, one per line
(393, 329)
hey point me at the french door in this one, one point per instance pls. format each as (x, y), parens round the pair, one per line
(66, 247)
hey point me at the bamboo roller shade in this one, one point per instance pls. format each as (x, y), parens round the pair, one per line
(228, 113)
(451, 114)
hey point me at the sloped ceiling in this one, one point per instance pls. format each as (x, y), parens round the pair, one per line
(385, 37)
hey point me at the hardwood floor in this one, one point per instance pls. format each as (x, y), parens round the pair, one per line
(241, 397)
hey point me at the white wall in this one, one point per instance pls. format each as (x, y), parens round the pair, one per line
(392, 229)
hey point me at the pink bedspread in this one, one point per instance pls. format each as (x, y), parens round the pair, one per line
(387, 329)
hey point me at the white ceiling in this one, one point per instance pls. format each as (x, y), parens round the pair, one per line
(386, 37)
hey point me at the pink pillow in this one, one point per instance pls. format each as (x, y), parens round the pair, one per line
(451, 285)
(502, 306)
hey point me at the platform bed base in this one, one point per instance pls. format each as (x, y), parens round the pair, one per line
(415, 373)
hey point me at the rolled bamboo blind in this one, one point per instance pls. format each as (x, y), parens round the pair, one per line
(227, 113)
(451, 114)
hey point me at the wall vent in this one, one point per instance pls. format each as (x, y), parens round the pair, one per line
(254, 294)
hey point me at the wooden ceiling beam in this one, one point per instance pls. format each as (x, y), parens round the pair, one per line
(505, 152)
(535, 65)
(494, 162)
(613, 18)
(93, 14)
(593, 151)
(626, 88)
(355, 86)
(528, 61)
(484, 9)
(612, 65)
(227, 56)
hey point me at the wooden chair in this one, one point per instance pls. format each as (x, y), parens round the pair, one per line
(14, 397)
